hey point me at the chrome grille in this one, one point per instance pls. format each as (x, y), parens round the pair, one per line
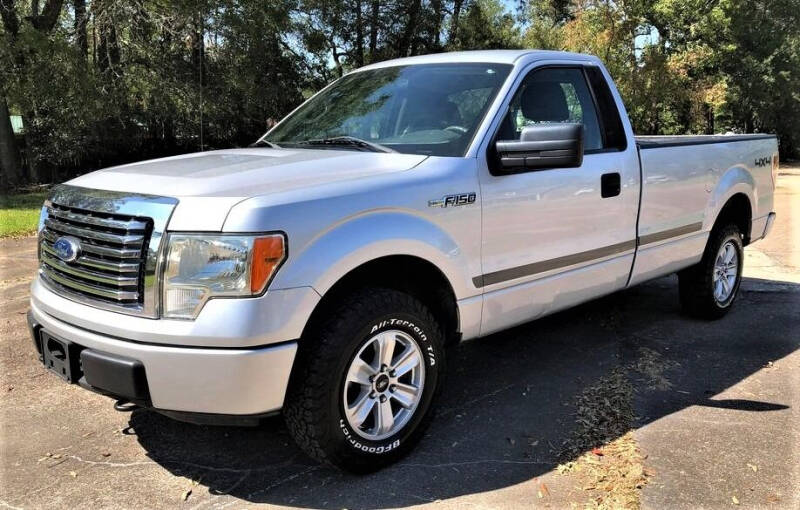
(111, 263)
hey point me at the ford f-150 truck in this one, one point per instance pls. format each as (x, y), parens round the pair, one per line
(325, 271)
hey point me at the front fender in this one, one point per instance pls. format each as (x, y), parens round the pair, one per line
(327, 257)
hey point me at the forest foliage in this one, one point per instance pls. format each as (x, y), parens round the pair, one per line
(101, 82)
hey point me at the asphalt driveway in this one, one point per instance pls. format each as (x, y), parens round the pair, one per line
(705, 414)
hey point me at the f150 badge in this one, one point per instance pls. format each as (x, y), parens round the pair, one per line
(453, 200)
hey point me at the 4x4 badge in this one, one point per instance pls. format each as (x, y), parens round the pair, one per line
(453, 200)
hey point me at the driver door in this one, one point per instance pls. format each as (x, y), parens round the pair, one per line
(554, 237)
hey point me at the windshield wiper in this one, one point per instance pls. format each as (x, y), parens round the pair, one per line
(351, 141)
(265, 143)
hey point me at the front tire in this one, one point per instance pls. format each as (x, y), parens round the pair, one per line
(709, 288)
(366, 381)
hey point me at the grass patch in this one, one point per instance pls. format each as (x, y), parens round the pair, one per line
(19, 213)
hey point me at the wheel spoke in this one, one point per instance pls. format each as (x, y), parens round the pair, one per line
(408, 361)
(360, 410)
(384, 418)
(405, 394)
(360, 372)
(729, 253)
(725, 287)
(385, 350)
(718, 290)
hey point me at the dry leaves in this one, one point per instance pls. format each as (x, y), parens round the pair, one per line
(602, 452)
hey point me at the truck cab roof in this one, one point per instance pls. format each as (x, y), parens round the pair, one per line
(485, 56)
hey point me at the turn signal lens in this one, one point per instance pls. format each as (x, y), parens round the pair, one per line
(268, 253)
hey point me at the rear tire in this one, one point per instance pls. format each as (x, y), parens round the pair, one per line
(709, 288)
(366, 381)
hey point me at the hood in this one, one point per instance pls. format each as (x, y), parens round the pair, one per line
(208, 184)
(244, 173)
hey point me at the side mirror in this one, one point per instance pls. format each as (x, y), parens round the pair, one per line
(558, 145)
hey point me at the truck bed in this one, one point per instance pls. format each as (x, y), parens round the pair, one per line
(652, 142)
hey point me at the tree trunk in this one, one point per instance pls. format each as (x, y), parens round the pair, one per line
(359, 36)
(10, 160)
(46, 21)
(457, 5)
(373, 29)
(81, 36)
(108, 54)
(436, 6)
(9, 15)
(408, 45)
(335, 54)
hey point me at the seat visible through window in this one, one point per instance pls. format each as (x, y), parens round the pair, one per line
(549, 96)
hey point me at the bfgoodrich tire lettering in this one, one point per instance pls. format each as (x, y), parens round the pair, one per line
(315, 409)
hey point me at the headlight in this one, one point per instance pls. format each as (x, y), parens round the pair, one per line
(202, 266)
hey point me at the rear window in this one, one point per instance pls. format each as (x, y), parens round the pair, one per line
(611, 124)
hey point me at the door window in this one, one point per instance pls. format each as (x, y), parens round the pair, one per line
(553, 95)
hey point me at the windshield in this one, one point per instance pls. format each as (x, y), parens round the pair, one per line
(430, 109)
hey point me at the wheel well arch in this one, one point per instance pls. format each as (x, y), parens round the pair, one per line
(739, 211)
(414, 275)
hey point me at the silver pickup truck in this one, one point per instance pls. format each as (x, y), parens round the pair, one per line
(325, 271)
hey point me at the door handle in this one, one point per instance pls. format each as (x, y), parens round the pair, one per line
(610, 185)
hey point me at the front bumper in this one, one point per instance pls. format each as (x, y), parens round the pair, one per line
(212, 381)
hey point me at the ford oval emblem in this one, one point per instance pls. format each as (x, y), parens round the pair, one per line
(67, 248)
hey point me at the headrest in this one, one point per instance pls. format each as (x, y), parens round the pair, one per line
(544, 102)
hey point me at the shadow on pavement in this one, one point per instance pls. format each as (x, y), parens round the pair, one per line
(509, 404)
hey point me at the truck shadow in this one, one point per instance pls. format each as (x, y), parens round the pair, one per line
(509, 407)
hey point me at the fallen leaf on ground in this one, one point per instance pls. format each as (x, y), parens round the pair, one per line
(735, 500)
(186, 494)
(73, 474)
(543, 488)
(106, 454)
(597, 451)
(753, 467)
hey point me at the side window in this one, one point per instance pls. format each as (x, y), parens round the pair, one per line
(549, 96)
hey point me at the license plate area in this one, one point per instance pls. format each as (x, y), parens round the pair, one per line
(61, 357)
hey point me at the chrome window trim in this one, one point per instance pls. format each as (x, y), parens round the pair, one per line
(158, 209)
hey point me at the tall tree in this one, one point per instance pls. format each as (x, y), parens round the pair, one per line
(10, 162)
(81, 34)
